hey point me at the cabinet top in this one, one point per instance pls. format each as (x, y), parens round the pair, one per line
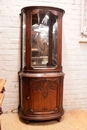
(42, 7)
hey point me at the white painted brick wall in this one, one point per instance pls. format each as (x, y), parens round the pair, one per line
(85, 12)
(74, 53)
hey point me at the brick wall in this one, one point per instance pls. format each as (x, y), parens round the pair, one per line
(74, 53)
(86, 11)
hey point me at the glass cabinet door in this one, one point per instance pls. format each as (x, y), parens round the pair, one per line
(24, 40)
(44, 39)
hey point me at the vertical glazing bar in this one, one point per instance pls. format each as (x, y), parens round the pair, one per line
(28, 39)
(59, 41)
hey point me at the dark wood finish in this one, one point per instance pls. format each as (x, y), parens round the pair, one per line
(1, 112)
(41, 88)
(2, 89)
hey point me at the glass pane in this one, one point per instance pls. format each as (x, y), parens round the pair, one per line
(44, 39)
(24, 40)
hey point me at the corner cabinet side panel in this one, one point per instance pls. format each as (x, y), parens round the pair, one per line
(60, 94)
(25, 96)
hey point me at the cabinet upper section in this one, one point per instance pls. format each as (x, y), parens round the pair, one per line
(41, 38)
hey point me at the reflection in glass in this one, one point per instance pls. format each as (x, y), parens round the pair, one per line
(24, 40)
(44, 39)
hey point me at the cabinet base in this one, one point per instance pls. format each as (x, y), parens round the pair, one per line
(28, 118)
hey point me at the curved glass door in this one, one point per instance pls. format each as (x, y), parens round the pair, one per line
(44, 39)
(24, 41)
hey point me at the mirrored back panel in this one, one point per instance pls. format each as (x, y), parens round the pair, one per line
(44, 39)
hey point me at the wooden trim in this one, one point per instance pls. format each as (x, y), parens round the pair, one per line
(2, 83)
(1, 98)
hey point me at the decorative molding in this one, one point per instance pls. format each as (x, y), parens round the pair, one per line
(44, 109)
(44, 85)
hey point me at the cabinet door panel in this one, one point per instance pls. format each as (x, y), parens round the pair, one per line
(43, 95)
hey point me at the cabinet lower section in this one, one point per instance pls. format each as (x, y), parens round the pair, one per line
(40, 97)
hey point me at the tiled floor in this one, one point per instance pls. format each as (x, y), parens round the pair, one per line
(71, 120)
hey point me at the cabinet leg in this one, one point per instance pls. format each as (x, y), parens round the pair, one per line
(0, 125)
(27, 122)
(58, 119)
(1, 111)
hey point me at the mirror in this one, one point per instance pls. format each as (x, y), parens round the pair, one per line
(44, 39)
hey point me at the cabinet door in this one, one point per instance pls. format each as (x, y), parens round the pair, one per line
(41, 96)
(44, 95)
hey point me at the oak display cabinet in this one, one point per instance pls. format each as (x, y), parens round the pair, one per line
(40, 75)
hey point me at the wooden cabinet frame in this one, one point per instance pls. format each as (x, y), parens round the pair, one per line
(40, 84)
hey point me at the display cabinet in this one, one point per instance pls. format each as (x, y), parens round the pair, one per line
(40, 75)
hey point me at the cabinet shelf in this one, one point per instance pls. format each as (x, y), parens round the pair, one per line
(34, 49)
